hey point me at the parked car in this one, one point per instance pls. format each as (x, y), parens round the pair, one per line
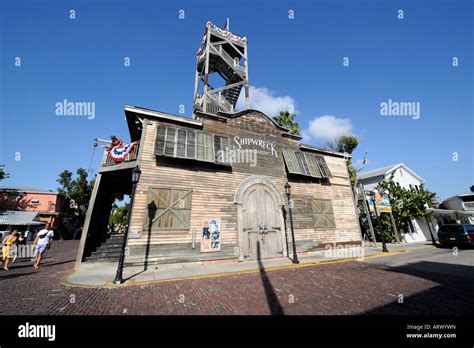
(456, 235)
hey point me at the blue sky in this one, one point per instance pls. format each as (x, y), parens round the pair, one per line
(298, 60)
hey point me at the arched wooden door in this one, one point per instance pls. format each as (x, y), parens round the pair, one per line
(261, 223)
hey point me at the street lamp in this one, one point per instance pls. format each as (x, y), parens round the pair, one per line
(135, 177)
(288, 194)
(372, 195)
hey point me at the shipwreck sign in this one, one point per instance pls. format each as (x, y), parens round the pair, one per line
(263, 147)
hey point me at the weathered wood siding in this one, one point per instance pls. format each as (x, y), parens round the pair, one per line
(213, 187)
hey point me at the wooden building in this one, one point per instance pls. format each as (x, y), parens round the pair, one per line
(212, 186)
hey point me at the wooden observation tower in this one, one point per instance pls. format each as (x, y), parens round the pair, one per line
(224, 53)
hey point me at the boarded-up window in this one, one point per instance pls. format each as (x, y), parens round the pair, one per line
(323, 214)
(168, 208)
(323, 167)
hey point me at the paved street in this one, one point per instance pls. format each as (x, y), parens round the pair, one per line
(429, 281)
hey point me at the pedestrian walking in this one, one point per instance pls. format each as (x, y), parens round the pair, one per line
(43, 241)
(9, 249)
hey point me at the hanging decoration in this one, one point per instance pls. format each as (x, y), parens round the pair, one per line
(119, 152)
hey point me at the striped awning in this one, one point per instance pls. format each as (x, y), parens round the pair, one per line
(16, 218)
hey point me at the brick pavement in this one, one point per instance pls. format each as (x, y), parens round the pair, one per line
(339, 288)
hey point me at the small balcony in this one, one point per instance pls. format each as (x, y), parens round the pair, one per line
(128, 159)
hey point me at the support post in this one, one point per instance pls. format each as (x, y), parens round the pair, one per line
(394, 228)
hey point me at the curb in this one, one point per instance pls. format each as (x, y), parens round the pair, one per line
(132, 282)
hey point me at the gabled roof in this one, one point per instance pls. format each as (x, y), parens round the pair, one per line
(16, 218)
(384, 171)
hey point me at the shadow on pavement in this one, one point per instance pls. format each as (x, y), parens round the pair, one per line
(451, 296)
(272, 299)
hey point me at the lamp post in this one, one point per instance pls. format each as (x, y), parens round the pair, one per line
(135, 177)
(372, 195)
(288, 194)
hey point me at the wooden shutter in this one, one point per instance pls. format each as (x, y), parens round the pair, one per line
(200, 148)
(170, 141)
(209, 147)
(313, 165)
(181, 143)
(323, 167)
(191, 144)
(302, 163)
(171, 208)
(323, 214)
(160, 140)
(291, 161)
(220, 144)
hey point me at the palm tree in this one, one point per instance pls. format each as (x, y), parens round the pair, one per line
(287, 120)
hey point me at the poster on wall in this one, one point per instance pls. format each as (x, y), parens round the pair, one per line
(211, 236)
(382, 202)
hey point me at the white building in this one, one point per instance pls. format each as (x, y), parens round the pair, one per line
(408, 179)
(463, 206)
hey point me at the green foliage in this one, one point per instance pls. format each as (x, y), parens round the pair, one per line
(78, 190)
(287, 120)
(3, 174)
(119, 215)
(347, 143)
(407, 204)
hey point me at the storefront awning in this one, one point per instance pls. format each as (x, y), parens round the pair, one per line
(18, 218)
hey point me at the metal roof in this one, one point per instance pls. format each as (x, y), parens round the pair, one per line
(26, 189)
(386, 170)
(16, 218)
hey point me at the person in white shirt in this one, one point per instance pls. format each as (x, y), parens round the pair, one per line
(43, 241)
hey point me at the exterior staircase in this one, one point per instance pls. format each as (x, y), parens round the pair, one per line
(109, 250)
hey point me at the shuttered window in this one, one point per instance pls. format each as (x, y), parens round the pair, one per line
(291, 161)
(323, 167)
(313, 165)
(323, 214)
(220, 146)
(191, 144)
(168, 209)
(186, 143)
(160, 141)
(205, 147)
(170, 141)
(181, 143)
(302, 163)
(308, 164)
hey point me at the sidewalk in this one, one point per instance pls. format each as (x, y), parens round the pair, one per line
(102, 274)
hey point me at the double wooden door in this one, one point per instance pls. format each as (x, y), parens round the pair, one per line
(261, 223)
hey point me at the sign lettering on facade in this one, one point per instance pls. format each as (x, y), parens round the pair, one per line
(267, 147)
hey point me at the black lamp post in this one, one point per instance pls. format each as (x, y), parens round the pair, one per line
(372, 195)
(288, 193)
(135, 177)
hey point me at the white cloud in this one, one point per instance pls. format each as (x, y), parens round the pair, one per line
(327, 128)
(264, 100)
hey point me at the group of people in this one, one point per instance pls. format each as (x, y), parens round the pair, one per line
(41, 244)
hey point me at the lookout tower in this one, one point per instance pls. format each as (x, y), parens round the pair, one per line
(224, 53)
